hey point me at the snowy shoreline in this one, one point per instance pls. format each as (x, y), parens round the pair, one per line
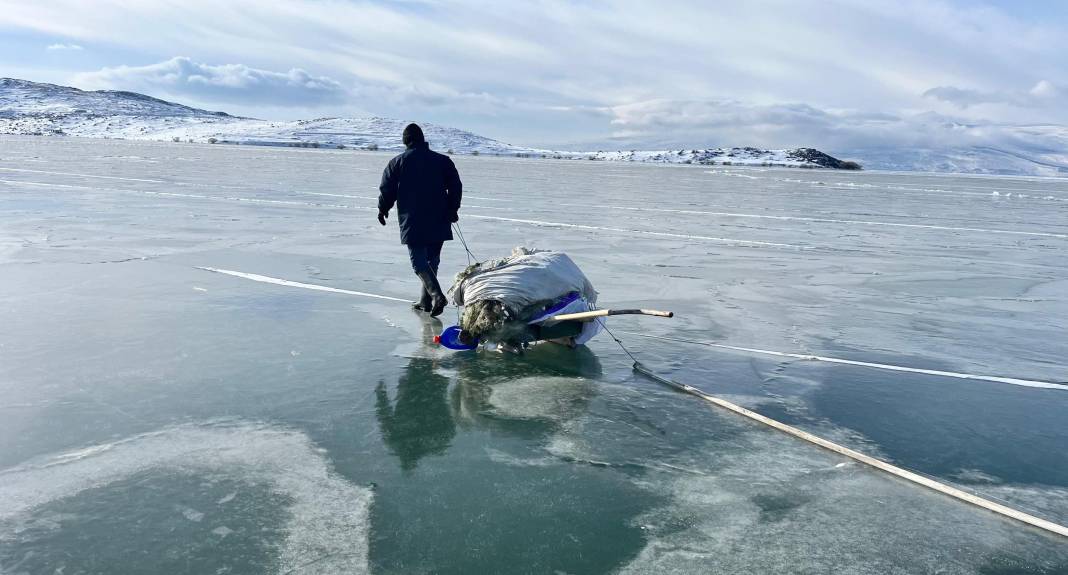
(36, 109)
(30, 108)
(283, 135)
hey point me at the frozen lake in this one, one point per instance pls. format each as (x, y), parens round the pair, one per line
(156, 417)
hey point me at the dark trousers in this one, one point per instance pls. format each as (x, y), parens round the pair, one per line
(426, 257)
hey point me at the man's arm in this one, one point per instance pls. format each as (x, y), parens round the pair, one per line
(455, 189)
(387, 191)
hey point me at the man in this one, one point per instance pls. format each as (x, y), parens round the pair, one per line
(427, 190)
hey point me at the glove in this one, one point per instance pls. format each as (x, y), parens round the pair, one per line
(382, 217)
(454, 217)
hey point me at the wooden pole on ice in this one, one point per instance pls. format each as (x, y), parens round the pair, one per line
(591, 315)
(905, 474)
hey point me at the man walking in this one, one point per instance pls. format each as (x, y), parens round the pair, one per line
(427, 190)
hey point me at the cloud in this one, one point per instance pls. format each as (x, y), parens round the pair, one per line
(1042, 93)
(671, 124)
(674, 123)
(430, 94)
(553, 71)
(1046, 90)
(183, 77)
(59, 47)
(964, 97)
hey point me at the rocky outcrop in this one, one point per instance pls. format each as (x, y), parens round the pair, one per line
(814, 156)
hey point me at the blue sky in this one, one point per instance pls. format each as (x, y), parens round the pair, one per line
(837, 74)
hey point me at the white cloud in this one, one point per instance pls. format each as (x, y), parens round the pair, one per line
(671, 124)
(184, 77)
(1046, 90)
(555, 68)
(1043, 93)
(59, 47)
(966, 97)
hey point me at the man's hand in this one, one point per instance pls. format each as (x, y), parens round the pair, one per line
(382, 217)
(454, 217)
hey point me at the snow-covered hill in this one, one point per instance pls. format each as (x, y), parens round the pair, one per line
(1004, 150)
(46, 109)
(33, 99)
(747, 156)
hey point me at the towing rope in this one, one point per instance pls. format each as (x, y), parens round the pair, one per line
(470, 256)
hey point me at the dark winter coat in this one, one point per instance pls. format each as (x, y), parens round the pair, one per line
(427, 190)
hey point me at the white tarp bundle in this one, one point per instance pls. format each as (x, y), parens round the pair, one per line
(524, 279)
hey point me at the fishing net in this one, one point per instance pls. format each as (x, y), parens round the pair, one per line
(499, 296)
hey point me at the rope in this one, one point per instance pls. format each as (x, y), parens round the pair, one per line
(618, 341)
(463, 241)
(470, 256)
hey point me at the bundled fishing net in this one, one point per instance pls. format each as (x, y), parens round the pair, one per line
(500, 296)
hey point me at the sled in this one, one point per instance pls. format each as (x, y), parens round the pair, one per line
(572, 321)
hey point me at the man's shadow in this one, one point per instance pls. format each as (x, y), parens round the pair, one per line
(417, 422)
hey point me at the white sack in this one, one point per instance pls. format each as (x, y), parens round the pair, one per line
(522, 280)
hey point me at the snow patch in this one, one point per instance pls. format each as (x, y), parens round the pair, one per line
(329, 517)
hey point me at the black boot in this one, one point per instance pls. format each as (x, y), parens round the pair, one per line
(425, 303)
(431, 285)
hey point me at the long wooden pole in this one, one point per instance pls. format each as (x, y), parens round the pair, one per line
(905, 474)
(590, 315)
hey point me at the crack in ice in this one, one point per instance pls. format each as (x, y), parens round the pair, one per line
(289, 283)
(889, 367)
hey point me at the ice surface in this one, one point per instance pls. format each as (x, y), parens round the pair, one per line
(553, 398)
(328, 517)
(121, 355)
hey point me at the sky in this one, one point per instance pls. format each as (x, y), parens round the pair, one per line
(835, 74)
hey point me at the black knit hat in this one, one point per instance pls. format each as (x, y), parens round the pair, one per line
(413, 135)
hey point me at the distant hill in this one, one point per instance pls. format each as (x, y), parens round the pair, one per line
(32, 108)
(1021, 151)
(33, 99)
(46, 109)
